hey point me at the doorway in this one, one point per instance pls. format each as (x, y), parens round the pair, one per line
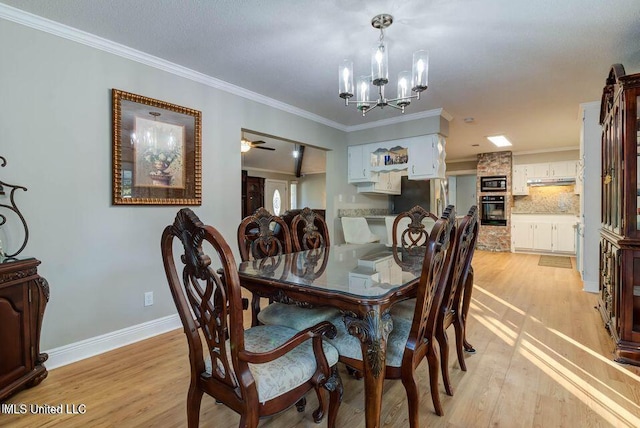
(276, 196)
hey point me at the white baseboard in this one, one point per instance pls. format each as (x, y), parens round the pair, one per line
(77, 351)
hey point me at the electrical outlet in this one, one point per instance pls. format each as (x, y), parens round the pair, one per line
(148, 298)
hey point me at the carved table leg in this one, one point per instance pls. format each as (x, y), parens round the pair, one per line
(372, 331)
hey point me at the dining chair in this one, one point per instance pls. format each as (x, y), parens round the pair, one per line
(262, 235)
(460, 284)
(411, 340)
(257, 237)
(456, 297)
(410, 232)
(309, 231)
(357, 231)
(256, 372)
(310, 234)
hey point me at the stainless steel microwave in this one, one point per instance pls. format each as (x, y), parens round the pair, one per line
(496, 183)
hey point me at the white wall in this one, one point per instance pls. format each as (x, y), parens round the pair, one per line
(590, 138)
(312, 191)
(55, 132)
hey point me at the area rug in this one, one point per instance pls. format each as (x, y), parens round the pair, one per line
(555, 261)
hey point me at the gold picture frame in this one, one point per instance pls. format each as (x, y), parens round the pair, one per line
(157, 152)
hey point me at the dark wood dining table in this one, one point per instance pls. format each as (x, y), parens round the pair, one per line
(362, 280)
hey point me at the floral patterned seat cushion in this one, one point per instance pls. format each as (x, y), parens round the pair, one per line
(295, 316)
(349, 346)
(285, 373)
(404, 309)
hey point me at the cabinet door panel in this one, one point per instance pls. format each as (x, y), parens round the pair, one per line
(542, 236)
(565, 238)
(14, 352)
(522, 235)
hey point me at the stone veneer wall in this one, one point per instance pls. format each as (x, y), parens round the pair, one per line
(495, 238)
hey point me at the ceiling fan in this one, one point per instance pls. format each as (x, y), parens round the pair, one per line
(246, 145)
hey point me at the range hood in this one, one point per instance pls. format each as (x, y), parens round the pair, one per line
(566, 181)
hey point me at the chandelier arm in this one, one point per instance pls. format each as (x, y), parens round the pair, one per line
(410, 97)
(350, 101)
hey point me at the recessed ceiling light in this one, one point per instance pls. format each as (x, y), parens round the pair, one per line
(475, 145)
(468, 120)
(499, 141)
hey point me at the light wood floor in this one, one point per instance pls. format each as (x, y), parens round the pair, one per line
(543, 360)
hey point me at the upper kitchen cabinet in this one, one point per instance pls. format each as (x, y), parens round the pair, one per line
(359, 165)
(519, 180)
(619, 284)
(423, 157)
(427, 157)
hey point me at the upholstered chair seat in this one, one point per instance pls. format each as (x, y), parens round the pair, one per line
(349, 346)
(283, 374)
(294, 316)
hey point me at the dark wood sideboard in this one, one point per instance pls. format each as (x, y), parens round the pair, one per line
(23, 297)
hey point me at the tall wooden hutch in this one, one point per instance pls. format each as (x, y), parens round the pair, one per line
(619, 297)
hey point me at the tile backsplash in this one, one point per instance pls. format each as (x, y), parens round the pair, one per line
(547, 200)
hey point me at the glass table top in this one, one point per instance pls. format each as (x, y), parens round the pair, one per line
(367, 270)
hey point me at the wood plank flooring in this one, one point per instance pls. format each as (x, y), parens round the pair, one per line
(543, 360)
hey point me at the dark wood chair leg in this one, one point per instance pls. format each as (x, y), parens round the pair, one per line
(443, 342)
(458, 325)
(334, 385)
(301, 404)
(194, 398)
(466, 302)
(432, 360)
(413, 397)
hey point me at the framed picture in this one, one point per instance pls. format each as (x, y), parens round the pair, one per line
(156, 152)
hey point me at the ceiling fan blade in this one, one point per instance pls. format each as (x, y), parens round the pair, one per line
(264, 148)
(258, 142)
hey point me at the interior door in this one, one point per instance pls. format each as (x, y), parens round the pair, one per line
(276, 196)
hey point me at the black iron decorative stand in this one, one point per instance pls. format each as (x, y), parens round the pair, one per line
(12, 207)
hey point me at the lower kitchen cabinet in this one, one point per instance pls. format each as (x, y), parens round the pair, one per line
(543, 233)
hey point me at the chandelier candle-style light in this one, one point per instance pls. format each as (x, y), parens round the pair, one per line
(415, 81)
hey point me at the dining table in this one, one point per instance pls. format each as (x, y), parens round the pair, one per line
(363, 281)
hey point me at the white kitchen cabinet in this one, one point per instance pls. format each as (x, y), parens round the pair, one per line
(359, 167)
(521, 235)
(562, 169)
(519, 180)
(426, 157)
(387, 183)
(538, 170)
(543, 233)
(564, 237)
(543, 236)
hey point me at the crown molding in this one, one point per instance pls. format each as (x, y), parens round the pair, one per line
(403, 118)
(546, 150)
(57, 29)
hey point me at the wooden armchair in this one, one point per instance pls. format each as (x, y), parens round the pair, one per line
(309, 234)
(256, 372)
(460, 284)
(411, 340)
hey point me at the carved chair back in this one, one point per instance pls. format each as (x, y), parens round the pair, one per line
(309, 231)
(257, 237)
(209, 303)
(435, 270)
(463, 250)
(409, 245)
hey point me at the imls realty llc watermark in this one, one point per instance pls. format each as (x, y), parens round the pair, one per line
(43, 409)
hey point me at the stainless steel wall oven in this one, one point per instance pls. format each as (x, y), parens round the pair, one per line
(493, 211)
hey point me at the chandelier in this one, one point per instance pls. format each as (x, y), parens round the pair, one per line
(416, 81)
